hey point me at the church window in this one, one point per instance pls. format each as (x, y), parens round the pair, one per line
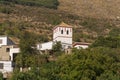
(40, 46)
(61, 31)
(67, 32)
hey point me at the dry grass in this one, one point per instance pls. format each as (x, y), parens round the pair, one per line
(42, 20)
(93, 8)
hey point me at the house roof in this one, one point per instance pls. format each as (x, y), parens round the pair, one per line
(80, 43)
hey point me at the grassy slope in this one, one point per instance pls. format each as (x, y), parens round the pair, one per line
(42, 20)
(93, 8)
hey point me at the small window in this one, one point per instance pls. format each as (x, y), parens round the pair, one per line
(1, 65)
(7, 49)
(40, 46)
(61, 31)
(69, 47)
(67, 32)
(0, 41)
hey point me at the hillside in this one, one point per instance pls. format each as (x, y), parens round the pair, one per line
(92, 8)
(16, 18)
(29, 22)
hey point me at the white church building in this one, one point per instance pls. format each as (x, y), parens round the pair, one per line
(63, 33)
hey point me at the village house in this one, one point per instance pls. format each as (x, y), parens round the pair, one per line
(8, 52)
(80, 45)
(63, 33)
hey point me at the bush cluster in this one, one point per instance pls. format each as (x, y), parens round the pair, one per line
(45, 3)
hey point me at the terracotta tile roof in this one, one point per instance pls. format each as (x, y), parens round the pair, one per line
(62, 24)
(80, 43)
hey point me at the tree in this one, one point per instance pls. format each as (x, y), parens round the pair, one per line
(115, 32)
(26, 57)
(45, 3)
(57, 47)
(100, 63)
(89, 64)
(1, 76)
(112, 42)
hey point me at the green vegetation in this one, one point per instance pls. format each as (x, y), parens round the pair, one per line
(1, 76)
(115, 32)
(99, 62)
(91, 64)
(5, 10)
(29, 56)
(27, 44)
(112, 42)
(41, 73)
(97, 25)
(57, 47)
(45, 3)
(43, 38)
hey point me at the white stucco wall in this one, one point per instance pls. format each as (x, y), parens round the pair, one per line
(45, 46)
(64, 38)
(7, 66)
(4, 40)
(81, 46)
(14, 51)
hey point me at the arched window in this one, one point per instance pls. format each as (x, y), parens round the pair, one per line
(67, 32)
(61, 31)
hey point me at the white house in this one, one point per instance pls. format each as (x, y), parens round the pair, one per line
(4, 40)
(8, 51)
(80, 45)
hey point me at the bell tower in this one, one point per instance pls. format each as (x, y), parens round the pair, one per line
(63, 33)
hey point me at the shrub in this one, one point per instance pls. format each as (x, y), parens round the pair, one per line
(45, 3)
(5, 10)
(1, 76)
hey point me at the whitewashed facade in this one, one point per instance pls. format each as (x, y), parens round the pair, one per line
(45, 46)
(63, 33)
(7, 48)
(4, 40)
(7, 66)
